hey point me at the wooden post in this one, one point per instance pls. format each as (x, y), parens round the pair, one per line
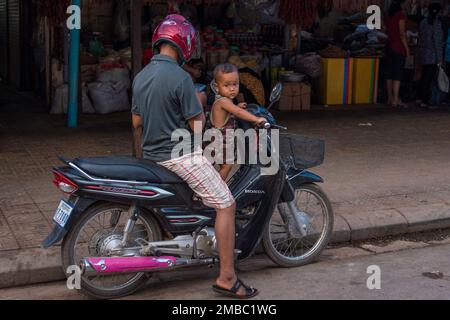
(136, 44)
(48, 64)
(136, 36)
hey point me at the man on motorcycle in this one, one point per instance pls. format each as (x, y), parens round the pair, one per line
(164, 100)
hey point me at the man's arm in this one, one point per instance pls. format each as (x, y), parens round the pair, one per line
(137, 135)
(199, 118)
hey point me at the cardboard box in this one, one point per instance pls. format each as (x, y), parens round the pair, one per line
(285, 103)
(292, 88)
(295, 97)
(297, 103)
(306, 98)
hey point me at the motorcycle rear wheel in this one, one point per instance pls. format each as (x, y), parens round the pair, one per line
(96, 242)
(288, 250)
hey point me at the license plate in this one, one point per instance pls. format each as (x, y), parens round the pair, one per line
(63, 213)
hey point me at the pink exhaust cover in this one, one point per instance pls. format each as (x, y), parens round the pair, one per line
(130, 264)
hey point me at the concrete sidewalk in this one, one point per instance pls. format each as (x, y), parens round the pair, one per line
(386, 173)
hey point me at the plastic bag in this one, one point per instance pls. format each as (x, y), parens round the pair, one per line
(57, 74)
(96, 48)
(442, 80)
(114, 75)
(309, 64)
(109, 97)
(60, 101)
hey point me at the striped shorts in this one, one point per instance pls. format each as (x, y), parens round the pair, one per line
(203, 179)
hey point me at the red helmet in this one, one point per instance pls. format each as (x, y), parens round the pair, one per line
(179, 32)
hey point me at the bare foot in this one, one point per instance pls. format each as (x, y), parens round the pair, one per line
(400, 104)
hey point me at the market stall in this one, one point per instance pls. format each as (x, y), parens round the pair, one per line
(321, 50)
(112, 38)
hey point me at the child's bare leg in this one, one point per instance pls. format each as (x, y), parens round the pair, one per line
(225, 170)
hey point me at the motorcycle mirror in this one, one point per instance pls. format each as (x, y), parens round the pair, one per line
(275, 95)
(276, 92)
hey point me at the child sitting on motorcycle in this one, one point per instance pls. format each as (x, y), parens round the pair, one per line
(225, 111)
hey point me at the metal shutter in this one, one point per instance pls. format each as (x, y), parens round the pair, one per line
(14, 42)
(3, 40)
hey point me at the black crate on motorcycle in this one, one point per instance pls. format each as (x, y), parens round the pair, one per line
(301, 152)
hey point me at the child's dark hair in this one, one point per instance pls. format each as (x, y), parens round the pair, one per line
(224, 68)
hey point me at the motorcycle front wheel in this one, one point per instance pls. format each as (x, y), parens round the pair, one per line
(98, 231)
(288, 248)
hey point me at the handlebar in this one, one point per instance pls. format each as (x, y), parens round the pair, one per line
(273, 126)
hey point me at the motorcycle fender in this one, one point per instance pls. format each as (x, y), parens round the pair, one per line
(304, 177)
(54, 237)
(58, 233)
(288, 193)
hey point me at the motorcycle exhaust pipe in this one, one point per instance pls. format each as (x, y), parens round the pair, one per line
(114, 265)
(120, 265)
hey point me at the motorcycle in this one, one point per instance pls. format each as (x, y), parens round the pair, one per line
(127, 218)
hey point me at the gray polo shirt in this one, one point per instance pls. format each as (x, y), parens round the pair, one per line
(164, 96)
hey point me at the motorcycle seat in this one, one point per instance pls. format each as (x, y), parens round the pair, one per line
(127, 169)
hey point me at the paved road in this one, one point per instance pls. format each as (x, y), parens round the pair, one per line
(398, 162)
(341, 274)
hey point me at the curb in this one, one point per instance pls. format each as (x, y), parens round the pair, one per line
(33, 266)
(30, 266)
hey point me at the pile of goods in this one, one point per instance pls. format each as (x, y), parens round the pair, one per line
(333, 52)
(54, 11)
(216, 48)
(109, 92)
(366, 52)
(309, 64)
(353, 6)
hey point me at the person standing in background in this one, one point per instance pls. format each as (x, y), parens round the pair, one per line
(431, 50)
(396, 51)
(447, 54)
